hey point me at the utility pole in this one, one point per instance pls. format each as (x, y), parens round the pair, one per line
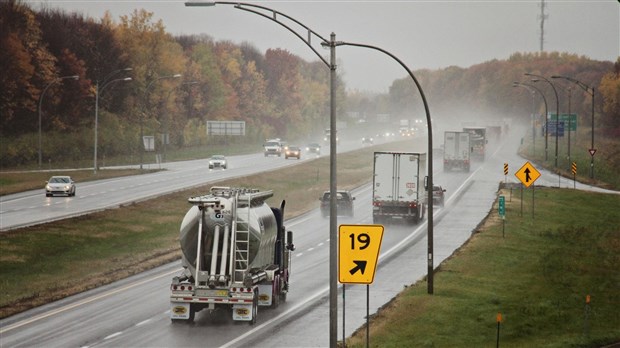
(542, 18)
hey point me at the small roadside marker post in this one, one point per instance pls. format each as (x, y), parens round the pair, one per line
(499, 320)
(586, 324)
(574, 170)
(502, 213)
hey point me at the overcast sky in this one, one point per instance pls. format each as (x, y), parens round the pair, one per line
(429, 34)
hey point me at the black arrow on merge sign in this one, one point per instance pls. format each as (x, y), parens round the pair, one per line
(527, 175)
(359, 266)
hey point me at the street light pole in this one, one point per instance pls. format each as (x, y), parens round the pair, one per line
(274, 15)
(97, 93)
(75, 77)
(590, 91)
(519, 84)
(146, 91)
(430, 247)
(557, 112)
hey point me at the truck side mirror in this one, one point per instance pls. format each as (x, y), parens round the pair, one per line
(426, 183)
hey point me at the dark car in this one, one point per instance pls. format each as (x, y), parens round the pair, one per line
(60, 185)
(313, 148)
(292, 151)
(344, 203)
(438, 195)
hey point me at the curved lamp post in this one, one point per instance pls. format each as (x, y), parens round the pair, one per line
(430, 247)
(557, 112)
(530, 87)
(75, 77)
(98, 91)
(274, 15)
(146, 91)
(590, 91)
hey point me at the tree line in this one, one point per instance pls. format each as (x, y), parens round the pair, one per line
(276, 93)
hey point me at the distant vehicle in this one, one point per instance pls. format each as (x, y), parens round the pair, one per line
(60, 185)
(313, 148)
(478, 141)
(367, 141)
(218, 161)
(273, 147)
(398, 187)
(292, 151)
(457, 149)
(344, 203)
(438, 195)
(327, 137)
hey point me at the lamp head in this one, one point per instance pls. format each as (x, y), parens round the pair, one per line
(199, 3)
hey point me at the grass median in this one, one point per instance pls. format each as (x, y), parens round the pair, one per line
(47, 262)
(537, 277)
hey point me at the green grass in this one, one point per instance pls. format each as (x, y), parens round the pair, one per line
(50, 261)
(538, 277)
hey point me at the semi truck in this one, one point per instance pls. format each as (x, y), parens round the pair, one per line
(456, 152)
(478, 141)
(396, 194)
(236, 255)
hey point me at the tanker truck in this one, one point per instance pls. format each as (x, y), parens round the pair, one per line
(236, 255)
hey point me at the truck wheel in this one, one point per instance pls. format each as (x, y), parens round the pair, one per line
(192, 314)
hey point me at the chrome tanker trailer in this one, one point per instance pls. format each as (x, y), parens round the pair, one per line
(236, 255)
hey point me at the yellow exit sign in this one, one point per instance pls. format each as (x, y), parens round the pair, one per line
(358, 252)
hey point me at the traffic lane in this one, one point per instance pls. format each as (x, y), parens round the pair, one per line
(137, 314)
(97, 195)
(402, 263)
(29, 208)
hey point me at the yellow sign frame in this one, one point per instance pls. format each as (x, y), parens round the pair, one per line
(527, 174)
(358, 253)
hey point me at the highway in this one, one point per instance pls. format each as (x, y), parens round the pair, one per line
(32, 207)
(135, 311)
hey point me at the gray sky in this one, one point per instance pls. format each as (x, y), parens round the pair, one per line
(429, 34)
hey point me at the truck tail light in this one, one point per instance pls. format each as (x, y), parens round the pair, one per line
(376, 204)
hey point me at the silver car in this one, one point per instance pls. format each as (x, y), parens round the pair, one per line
(60, 185)
(218, 161)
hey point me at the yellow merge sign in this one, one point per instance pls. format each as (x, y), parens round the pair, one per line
(527, 174)
(358, 252)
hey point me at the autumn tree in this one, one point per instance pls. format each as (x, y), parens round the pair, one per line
(610, 90)
(28, 67)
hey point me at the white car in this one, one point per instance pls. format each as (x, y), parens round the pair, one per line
(218, 161)
(61, 185)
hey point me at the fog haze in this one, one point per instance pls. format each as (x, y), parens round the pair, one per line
(423, 34)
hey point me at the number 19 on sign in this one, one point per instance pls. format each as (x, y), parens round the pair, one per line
(358, 252)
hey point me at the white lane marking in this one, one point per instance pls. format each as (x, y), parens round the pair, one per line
(298, 254)
(310, 249)
(143, 322)
(113, 335)
(83, 302)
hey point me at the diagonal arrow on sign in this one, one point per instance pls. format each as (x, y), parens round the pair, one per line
(359, 266)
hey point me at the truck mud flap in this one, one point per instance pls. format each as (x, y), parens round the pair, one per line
(179, 311)
(265, 292)
(242, 312)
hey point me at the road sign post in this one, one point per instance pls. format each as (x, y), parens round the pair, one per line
(502, 212)
(527, 174)
(358, 252)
